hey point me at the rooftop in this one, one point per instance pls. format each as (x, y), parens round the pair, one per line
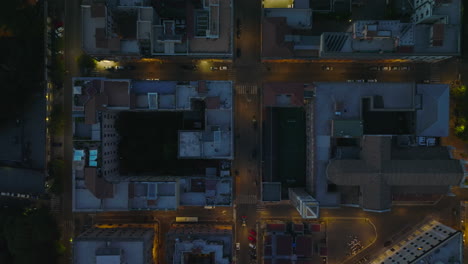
(432, 243)
(105, 122)
(282, 247)
(295, 18)
(104, 246)
(347, 98)
(191, 241)
(131, 23)
(376, 173)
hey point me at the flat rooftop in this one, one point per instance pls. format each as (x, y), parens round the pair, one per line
(222, 44)
(348, 97)
(295, 17)
(433, 242)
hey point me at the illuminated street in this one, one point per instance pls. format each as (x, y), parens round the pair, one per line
(248, 72)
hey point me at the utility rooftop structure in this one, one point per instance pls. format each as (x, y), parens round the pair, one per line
(365, 148)
(193, 243)
(431, 242)
(117, 29)
(114, 245)
(432, 34)
(188, 124)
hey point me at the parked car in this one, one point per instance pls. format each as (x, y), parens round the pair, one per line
(119, 68)
(426, 81)
(372, 80)
(223, 68)
(386, 68)
(395, 68)
(405, 68)
(189, 67)
(431, 141)
(214, 68)
(327, 68)
(373, 68)
(253, 232)
(252, 239)
(238, 52)
(129, 67)
(253, 252)
(252, 246)
(350, 80)
(56, 144)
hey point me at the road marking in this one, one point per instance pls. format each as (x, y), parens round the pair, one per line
(246, 89)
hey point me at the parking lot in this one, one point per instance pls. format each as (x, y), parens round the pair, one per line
(348, 236)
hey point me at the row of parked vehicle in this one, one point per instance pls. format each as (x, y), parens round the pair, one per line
(389, 68)
(120, 68)
(362, 81)
(19, 195)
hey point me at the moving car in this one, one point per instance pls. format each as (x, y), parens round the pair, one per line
(252, 239)
(252, 246)
(237, 246)
(252, 232)
(243, 220)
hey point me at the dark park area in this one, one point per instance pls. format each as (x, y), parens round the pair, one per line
(22, 60)
(28, 235)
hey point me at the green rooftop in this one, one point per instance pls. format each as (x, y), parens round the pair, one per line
(347, 128)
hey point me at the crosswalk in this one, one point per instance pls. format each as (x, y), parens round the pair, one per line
(247, 199)
(55, 204)
(246, 89)
(435, 73)
(68, 225)
(261, 208)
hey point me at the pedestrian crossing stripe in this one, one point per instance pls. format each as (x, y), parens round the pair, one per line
(246, 89)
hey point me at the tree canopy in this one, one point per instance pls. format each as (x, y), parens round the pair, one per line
(21, 61)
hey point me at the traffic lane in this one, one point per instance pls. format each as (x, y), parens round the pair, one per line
(249, 15)
(173, 74)
(242, 232)
(218, 213)
(341, 72)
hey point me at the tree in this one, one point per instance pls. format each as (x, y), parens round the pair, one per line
(86, 62)
(57, 120)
